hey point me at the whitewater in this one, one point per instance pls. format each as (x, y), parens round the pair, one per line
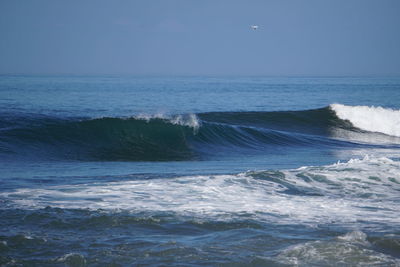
(183, 171)
(373, 119)
(342, 192)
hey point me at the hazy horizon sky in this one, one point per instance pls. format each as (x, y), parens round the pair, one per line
(171, 37)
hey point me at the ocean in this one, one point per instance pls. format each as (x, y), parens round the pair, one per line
(199, 171)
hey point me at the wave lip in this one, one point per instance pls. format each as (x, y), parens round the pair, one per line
(372, 119)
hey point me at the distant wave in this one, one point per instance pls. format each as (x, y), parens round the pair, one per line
(191, 136)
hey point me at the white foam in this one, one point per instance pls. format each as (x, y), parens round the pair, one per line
(342, 193)
(148, 117)
(72, 259)
(373, 119)
(351, 249)
(356, 237)
(190, 120)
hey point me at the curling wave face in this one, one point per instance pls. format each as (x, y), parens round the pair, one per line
(194, 136)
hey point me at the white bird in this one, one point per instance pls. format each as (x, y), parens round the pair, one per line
(254, 27)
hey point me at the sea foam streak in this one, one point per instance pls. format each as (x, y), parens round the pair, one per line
(342, 192)
(373, 119)
(351, 249)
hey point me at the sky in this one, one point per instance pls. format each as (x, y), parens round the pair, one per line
(200, 37)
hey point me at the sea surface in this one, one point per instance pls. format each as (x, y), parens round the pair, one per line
(199, 171)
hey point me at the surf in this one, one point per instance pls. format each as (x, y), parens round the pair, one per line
(162, 137)
(344, 192)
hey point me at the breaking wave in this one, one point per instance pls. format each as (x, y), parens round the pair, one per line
(194, 136)
(372, 119)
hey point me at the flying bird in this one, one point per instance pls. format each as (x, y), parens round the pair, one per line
(254, 27)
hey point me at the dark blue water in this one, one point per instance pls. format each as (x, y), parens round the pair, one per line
(193, 171)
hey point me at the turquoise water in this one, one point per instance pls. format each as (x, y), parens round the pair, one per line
(192, 171)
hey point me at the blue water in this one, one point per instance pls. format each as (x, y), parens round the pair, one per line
(193, 171)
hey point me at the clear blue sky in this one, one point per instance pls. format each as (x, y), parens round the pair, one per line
(210, 37)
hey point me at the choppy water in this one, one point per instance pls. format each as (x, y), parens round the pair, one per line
(192, 171)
